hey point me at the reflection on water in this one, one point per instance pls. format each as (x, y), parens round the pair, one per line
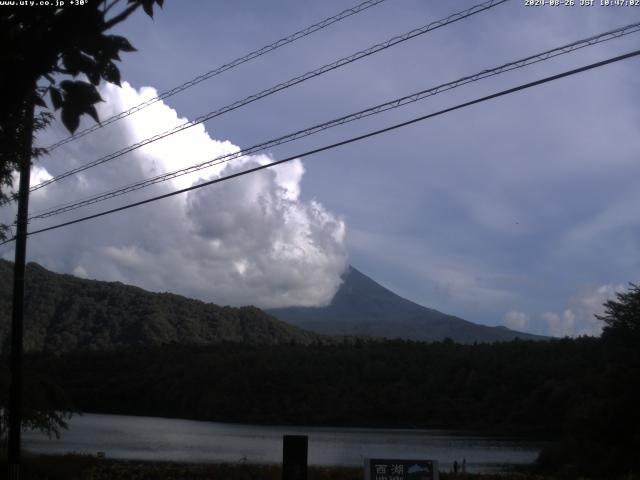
(149, 438)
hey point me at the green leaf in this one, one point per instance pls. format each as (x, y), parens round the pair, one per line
(70, 63)
(111, 73)
(70, 118)
(94, 114)
(80, 93)
(122, 43)
(77, 62)
(94, 77)
(56, 98)
(147, 6)
(37, 100)
(109, 49)
(79, 97)
(91, 44)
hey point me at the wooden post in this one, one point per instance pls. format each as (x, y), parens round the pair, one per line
(17, 318)
(294, 457)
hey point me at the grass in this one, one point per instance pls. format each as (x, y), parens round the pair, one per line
(85, 467)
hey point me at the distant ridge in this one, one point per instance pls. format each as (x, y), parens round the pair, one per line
(363, 307)
(64, 313)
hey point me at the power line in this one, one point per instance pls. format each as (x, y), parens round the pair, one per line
(344, 142)
(532, 59)
(221, 69)
(281, 86)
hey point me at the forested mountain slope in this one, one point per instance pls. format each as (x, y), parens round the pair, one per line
(363, 307)
(64, 313)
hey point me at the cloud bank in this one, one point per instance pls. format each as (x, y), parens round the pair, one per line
(576, 319)
(251, 240)
(579, 316)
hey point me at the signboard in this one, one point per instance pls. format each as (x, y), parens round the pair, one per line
(399, 469)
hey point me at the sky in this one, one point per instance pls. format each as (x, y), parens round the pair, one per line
(520, 211)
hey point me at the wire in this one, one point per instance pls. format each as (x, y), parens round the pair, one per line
(532, 59)
(344, 142)
(223, 68)
(281, 86)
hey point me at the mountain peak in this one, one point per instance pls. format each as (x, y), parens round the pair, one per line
(361, 306)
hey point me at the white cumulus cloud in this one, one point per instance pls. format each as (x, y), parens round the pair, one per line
(516, 320)
(250, 240)
(579, 317)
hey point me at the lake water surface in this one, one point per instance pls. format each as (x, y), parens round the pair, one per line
(162, 439)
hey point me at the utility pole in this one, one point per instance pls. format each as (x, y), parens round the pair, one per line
(17, 318)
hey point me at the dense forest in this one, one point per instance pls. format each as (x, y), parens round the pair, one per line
(518, 385)
(583, 392)
(65, 313)
(110, 348)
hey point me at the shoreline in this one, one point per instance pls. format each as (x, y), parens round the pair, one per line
(525, 432)
(80, 467)
(531, 435)
(176, 440)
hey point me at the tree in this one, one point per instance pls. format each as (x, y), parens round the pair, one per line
(47, 405)
(602, 432)
(622, 316)
(61, 53)
(41, 47)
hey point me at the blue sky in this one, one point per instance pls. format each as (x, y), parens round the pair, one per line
(519, 211)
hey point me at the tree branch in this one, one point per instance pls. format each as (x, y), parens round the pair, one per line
(120, 17)
(110, 6)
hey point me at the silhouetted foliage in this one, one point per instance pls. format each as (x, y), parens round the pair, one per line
(516, 386)
(570, 389)
(46, 406)
(602, 433)
(40, 48)
(622, 316)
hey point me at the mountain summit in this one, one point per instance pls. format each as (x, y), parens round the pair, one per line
(363, 307)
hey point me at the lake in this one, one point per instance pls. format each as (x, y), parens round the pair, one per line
(163, 439)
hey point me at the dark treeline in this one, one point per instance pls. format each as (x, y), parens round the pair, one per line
(517, 385)
(583, 391)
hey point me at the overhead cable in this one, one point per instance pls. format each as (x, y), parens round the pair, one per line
(338, 144)
(532, 59)
(222, 68)
(281, 86)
